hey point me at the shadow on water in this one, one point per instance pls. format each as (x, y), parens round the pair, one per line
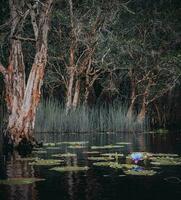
(95, 183)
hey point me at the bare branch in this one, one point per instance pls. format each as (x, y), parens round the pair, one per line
(23, 39)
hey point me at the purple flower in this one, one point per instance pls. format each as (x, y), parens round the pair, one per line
(136, 157)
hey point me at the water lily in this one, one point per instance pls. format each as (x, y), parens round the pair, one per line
(136, 157)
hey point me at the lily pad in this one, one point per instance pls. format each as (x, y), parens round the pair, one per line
(107, 147)
(124, 143)
(19, 181)
(64, 155)
(43, 162)
(103, 158)
(70, 169)
(91, 152)
(166, 161)
(53, 148)
(39, 152)
(113, 154)
(129, 166)
(140, 172)
(165, 155)
(76, 147)
(113, 165)
(103, 164)
(75, 143)
(49, 144)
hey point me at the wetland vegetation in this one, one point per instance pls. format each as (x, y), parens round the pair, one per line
(90, 99)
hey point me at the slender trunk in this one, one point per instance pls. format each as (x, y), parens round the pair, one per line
(142, 113)
(158, 113)
(133, 95)
(130, 109)
(70, 90)
(76, 98)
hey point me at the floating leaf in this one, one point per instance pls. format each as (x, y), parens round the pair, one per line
(100, 158)
(140, 172)
(43, 162)
(113, 154)
(49, 144)
(91, 152)
(65, 155)
(107, 147)
(124, 143)
(70, 169)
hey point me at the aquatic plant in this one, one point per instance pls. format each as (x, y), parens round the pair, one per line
(91, 152)
(52, 116)
(48, 162)
(140, 172)
(136, 156)
(39, 152)
(103, 158)
(51, 144)
(165, 155)
(113, 154)
(65, 155)
(53, 148)
(75, 143)
(168, 161)
(19, 181)
(70, 169)
(111, 146)
(124, 143)
(76, 147)
(103, 164)
(113, 165)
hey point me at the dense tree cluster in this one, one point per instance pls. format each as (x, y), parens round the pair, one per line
(100, 52)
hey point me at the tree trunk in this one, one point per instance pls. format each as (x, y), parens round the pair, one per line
(158, 113)
(142, 113)
(130, 109)
(133, 95)
(22, 99)
(76, 98)
(70, 90)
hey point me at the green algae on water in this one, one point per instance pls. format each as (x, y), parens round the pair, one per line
(70, 169)
(19, 181)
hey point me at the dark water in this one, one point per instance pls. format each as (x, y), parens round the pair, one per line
(96, 183)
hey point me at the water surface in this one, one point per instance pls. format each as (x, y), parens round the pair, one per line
(96, 183)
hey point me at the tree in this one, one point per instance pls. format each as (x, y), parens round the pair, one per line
(23, 93)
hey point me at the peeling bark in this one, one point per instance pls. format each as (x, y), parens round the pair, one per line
(22, 98)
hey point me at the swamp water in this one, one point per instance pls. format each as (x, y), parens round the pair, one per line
(95, 166)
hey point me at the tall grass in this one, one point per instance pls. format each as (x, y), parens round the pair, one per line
(52, 117)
